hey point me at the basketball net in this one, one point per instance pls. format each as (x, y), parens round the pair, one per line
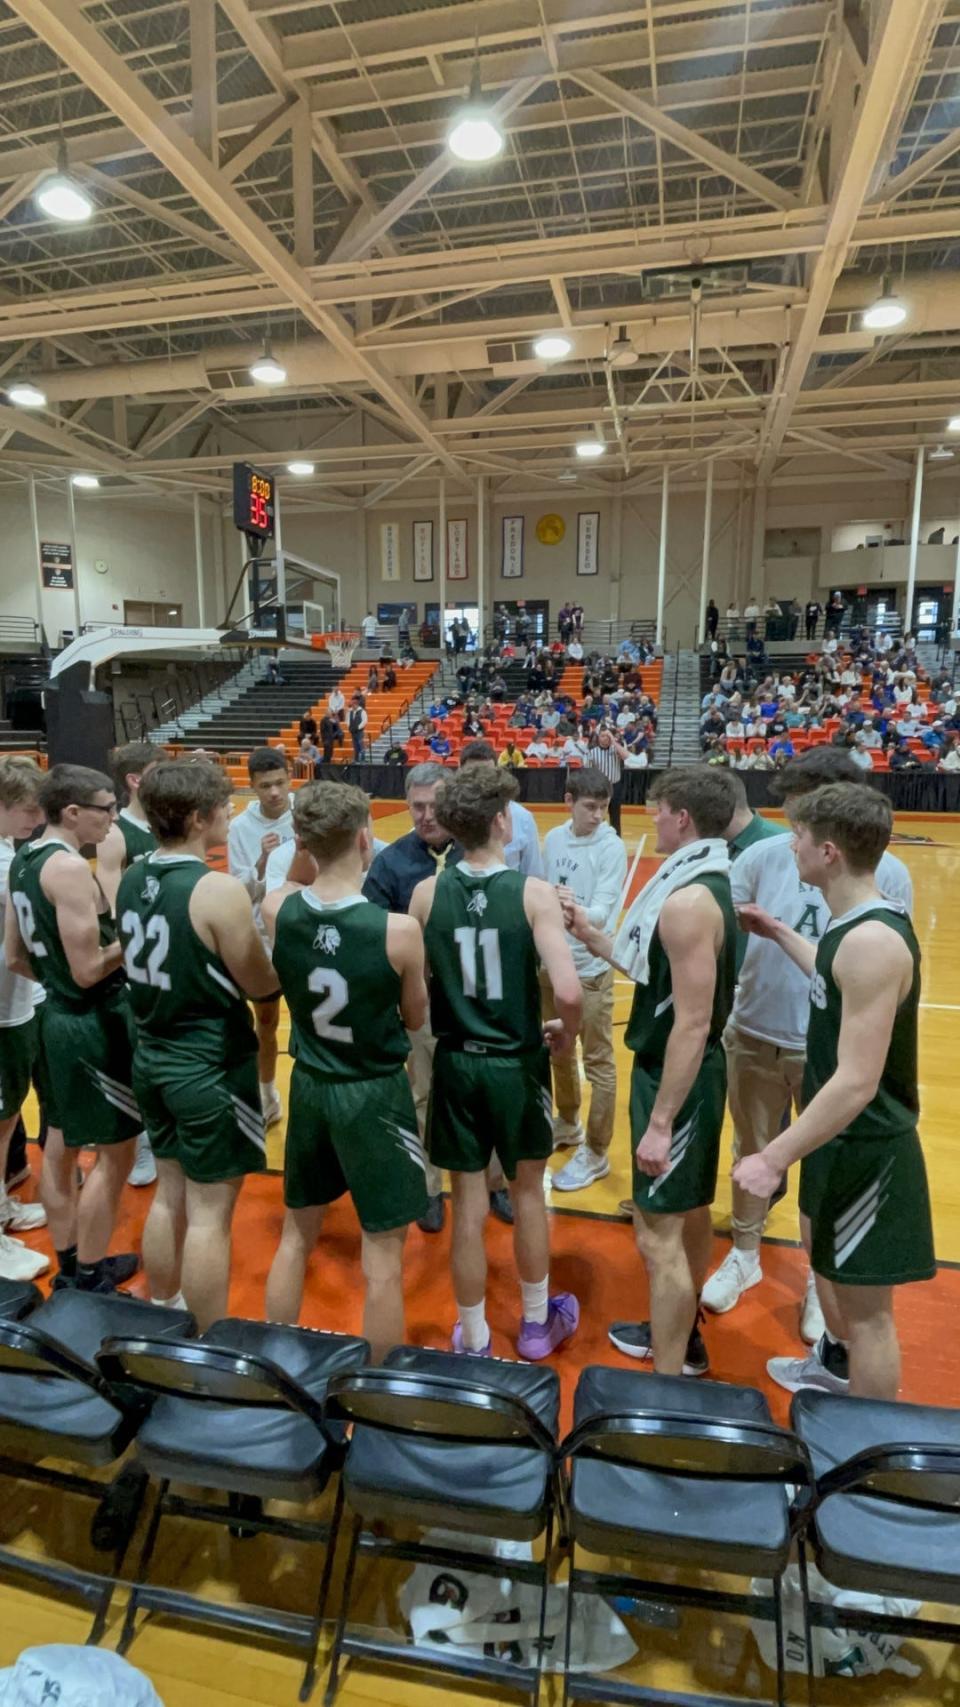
(341, 648)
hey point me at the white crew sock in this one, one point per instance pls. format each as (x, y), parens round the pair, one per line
(177, 1302)
(473, 1326)
(268, 1088)
(534, 1300)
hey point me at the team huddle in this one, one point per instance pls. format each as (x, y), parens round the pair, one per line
(432, 1034)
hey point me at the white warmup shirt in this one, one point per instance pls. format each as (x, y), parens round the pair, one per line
(281, 859)
(772, 1001)
(17, 995)
(522, 851)
(595, 868)
(244, 840)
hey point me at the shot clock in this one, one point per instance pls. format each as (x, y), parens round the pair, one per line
(253, 501)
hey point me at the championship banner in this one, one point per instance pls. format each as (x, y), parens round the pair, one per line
(588, 542)
(457, 550)
(423, 551)
(390, 551)
(511, 561)
(56, 565)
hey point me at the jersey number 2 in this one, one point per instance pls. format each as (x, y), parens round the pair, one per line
(157, 932)
(323, 981)
(467, 939)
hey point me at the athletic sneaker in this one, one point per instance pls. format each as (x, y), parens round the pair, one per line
(634, 1339)
(538, 1339)
(144, 1170)
(738, 1271)
(272, 1107)
(582, 1169)
(116, 1270)
(457, 1345)
(827, 1368)
(566, 1136)
(17, 1217)
(501, 1205)
(431, 1221)
(19, 1263)
(812, 1324)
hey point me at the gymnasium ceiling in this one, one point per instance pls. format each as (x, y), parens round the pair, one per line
(726, 185)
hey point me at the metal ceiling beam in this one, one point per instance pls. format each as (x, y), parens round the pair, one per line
(259, 139)
(920, 168)
(902, 27)
(57, 23)
(699, 147)
(122, 192)
(203, 76)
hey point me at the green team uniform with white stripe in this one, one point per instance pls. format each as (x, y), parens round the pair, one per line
(352, 1125)
(491, 1072)
(86, 1036)
(690, 1180)
(138, 838)
(866, 1190)
(195, 1064)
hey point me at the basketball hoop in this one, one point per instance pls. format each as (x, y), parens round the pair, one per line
(340, 646)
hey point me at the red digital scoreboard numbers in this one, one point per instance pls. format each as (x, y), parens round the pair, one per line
(253, 501)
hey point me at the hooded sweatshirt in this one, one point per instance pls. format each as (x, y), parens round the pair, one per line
(595, 868)
(244, 840)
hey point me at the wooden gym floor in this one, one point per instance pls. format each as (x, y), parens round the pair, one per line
(593, 1255)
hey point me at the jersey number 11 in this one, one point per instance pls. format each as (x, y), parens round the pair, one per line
(467, 939)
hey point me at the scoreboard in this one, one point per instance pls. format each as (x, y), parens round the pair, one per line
(254, 496)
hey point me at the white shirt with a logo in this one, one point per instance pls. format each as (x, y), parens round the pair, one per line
(773, 994)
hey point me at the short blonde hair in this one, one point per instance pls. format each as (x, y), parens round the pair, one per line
(20, 780)
(327, 817)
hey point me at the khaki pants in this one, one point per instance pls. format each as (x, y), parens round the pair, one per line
(596, 1042)
(763, 1084)
(423, 1046)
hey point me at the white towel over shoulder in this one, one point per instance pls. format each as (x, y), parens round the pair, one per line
(631, 945)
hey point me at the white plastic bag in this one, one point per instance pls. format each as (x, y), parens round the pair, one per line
(60, 1675)
(836, 1653)
(494, 1618)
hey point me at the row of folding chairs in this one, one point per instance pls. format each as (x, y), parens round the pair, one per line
(660, 1475)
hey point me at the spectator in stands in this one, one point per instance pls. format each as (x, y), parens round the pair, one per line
(576, 746)
(369, 629)
(472, 726)
(357, 724)
(751, 615)
(934, 738)
(577, 614)
(336, 704)
(539, 748)
(373, 679)
(733, 618)
(901, 758)
(782, 748)
(330, 732)
(950, 757)
(512, 756)
(908, 725)
(575, 651)
(860, 754)
(812, 612)
(549, 719)
(772, 608)
(716, 752)
(736, 729)
(712, 726)
(870, 737)
(836, 610)
(308, 753)
(565, 622)
(389, 679)
(308, 725)
(440, 745)
(713, 617)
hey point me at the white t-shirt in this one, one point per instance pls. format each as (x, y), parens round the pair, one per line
(16, 993)
(772, 1001)
(281, 859)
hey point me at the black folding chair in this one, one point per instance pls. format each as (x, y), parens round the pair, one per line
(884, 1515)
(18, 1298)
(238, 1411)
(462, 1443)
(54, 1403)
(687, 1474)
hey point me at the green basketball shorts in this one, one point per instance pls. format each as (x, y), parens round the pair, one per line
(18, 1052)
(87, 1074)
(481, 1103)
(360, 1136)
(868, 1204)
(690, 1180)
(201, 1112)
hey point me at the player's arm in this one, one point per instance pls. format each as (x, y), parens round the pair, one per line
(576, 920)
(405, 954)
(221, 914)
(873, 975)
(14, 950)
(546, 921)
(761, 923)
(272, 902)
(689, 923)
(111, 859)
(71, 886)
(421, 900)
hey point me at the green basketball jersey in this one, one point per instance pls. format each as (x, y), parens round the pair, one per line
(651, 1017)
(343, 994)
(179, 988)
(138, 838)
(37, 918)
(484, 968)
(896, 1105)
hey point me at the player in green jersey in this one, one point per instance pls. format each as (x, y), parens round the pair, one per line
(20, 779)
(59, 931)
(352, 975)
(485, 927)
(678, 944)
(193, 955)
(864, 1200)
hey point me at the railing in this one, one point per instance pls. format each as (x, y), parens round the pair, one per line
(673, 707)
(595, 635)
(735, 628)
(19, 631)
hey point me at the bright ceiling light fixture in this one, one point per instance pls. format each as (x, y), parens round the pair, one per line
(552, 347)
(953, 425)
(590, 449)
(26, 395)
(943, 453)
(300, 467)
(266, 370)
(86, 482)
(567, 476)
(476, 133)
(884, 314)
(621, 352)
(62, 197)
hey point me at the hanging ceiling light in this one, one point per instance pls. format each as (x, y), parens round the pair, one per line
(26, 395)
(552, 347)
(888, 311)
(298, 466)
(86, 482)
(476, 133)
(63, 199)
(266, 370)
(953, 425)
(621, 352)
(567, 476)
(943, 453)
(590, 449)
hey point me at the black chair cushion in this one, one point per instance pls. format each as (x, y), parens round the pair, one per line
(874, 1545)
(51, 1416)
(274, 1454)
(493, 1490)
(18, 1298)
(709, 1524)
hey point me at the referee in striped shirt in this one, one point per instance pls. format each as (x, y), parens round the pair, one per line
(608, 754)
